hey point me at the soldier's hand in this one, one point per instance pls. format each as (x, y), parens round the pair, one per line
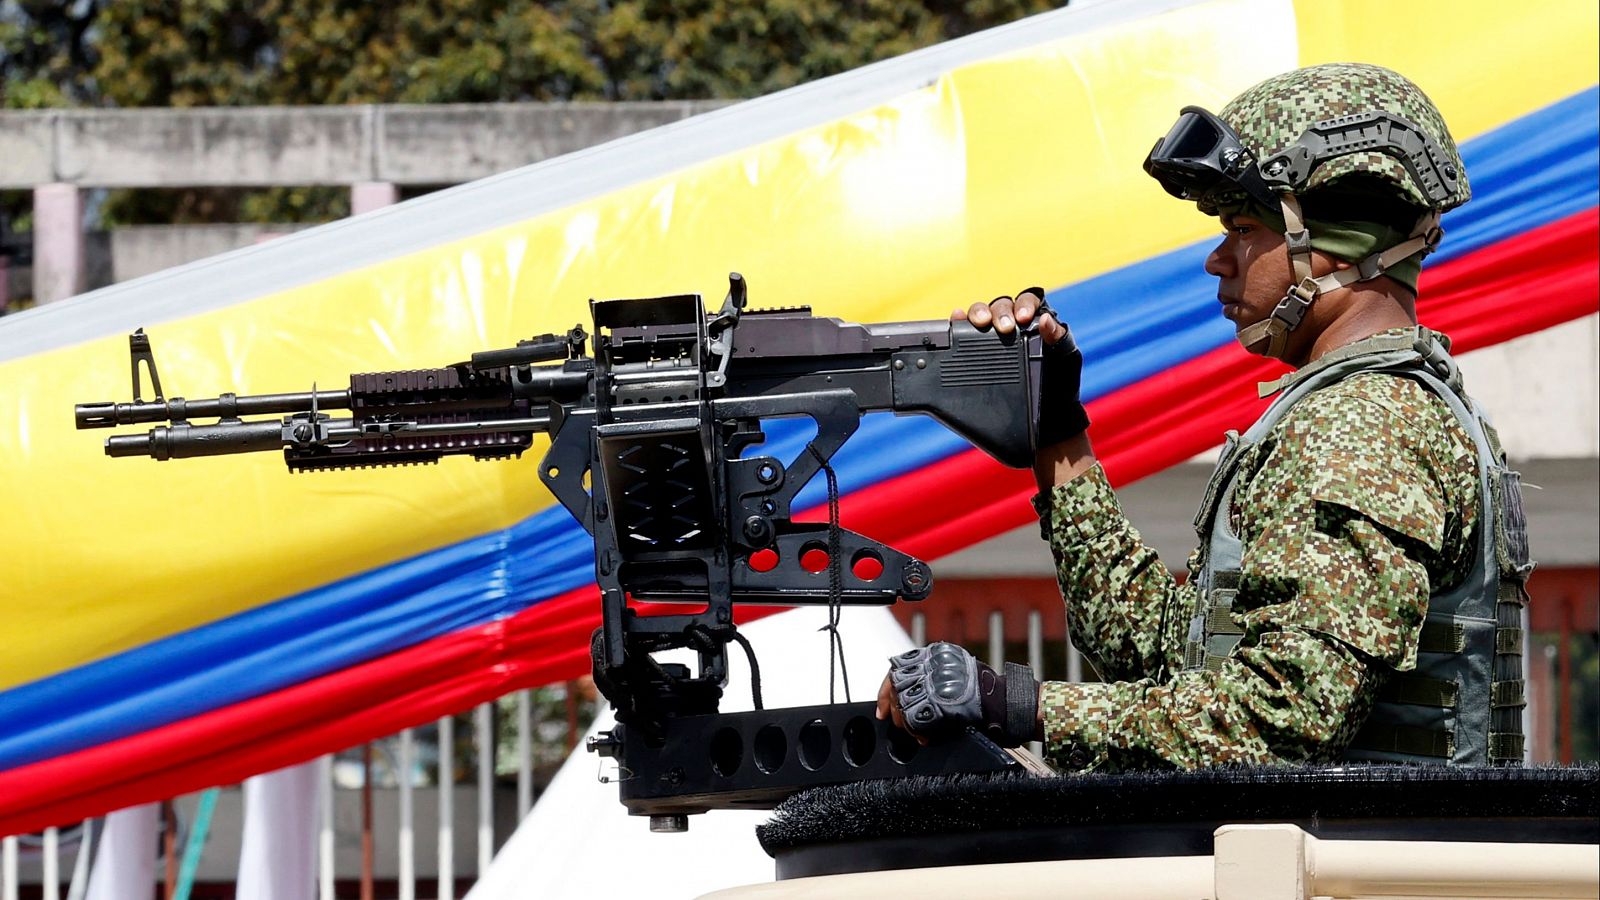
(1006, 314)
(1061, 412)
(941, 690)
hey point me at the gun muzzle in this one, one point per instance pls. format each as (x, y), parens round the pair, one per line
(184, 441)
(96, 415)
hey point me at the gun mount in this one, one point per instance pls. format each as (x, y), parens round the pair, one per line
(655, 450)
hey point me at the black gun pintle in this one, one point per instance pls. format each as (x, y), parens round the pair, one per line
(654, 449)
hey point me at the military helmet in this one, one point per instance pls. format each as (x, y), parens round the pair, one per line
(1312, 132)
(1271, 117)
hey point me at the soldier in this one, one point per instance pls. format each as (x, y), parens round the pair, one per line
(1358, 588)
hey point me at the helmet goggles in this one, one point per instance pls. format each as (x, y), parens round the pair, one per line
(1202, 158)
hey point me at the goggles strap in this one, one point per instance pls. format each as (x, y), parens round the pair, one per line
(1424, 239)
(1266, 337)
(1270, 336)
(1296, 237)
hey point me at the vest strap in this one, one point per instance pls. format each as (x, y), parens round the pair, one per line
(1416, 339)
(1265, 389)
(1408, 739)
(1503, 746)
(1508, 641)
(1504, 694)
(1442, 637)
(1421, 690)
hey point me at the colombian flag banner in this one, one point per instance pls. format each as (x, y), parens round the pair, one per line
(178, 625)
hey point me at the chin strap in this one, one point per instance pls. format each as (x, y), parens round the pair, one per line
(1270, 336)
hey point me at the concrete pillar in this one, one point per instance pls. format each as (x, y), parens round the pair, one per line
(366, 196)
(58, 262)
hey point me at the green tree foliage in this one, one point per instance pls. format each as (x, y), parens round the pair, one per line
(46, 60)
(214, 53)
(182, 53)
(46, 55)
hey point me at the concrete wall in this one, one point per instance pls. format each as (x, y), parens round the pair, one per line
(123, 254)
(1542, 391)
(140, 250)
(337, 145)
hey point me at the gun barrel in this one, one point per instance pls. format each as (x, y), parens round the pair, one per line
(227, 406)
(185, 441)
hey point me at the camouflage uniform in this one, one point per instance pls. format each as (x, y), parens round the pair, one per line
(1357, 506)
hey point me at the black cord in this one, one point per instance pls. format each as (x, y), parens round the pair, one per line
(755, 668)
(835, 580)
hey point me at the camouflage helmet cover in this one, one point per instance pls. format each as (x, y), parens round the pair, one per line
(1273, 114)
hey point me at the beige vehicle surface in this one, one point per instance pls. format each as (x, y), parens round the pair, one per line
(1341, 832)
(1252, 862)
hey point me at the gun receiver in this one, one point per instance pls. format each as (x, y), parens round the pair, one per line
(653, 449)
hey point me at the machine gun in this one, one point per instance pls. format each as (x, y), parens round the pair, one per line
(652, 443)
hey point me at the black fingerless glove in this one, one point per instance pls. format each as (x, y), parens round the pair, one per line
(1061, 411)
(943, 689)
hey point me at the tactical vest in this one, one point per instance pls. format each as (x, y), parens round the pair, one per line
(1463, 703)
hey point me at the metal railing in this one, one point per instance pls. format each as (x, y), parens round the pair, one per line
(487, 822)
(400, 771)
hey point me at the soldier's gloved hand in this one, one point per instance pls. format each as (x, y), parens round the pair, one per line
(941, 689)
(1061, 411)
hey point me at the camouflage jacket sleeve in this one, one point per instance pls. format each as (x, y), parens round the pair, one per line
(1359, 501)
(1120, 596)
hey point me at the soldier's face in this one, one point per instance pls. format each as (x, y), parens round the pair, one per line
(1252, 270)
(1253, 274)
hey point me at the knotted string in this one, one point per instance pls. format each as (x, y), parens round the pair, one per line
(835, 580)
